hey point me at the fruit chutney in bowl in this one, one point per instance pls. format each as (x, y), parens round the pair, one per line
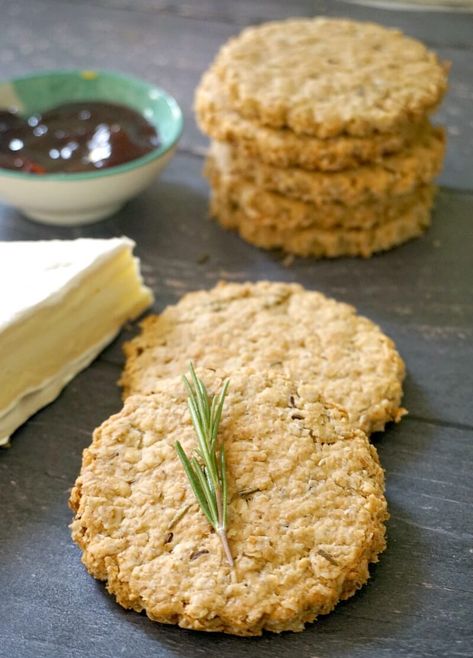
(76, 145)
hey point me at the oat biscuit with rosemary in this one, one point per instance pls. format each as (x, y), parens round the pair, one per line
(318, 242)
(285, 148)
(305, 514)
(329, 76)
(279, 326)
(394, 175)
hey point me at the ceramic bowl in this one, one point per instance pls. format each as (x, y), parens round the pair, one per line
(81, 198)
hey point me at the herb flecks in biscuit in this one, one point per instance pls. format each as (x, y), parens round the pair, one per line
(285, 148)
(277, 211)
(328, 76)
(322, 242)
(306, 507)
(394, 175)
(278, 326)
(321, 142)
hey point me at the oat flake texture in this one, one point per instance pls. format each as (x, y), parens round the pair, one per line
(282, 147)
(277, 326)
(277, 211)
(325, 77)
(318, 242)
(306, 508)
(392, 176)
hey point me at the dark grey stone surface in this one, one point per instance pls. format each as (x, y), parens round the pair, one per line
(419, 601)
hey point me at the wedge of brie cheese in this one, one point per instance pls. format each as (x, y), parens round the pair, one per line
(61, 303)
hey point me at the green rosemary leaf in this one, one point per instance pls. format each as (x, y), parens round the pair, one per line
(218, 411)
(207, 477)
(197, 425)
(207, 491)
(223, 470)
(202, 399)
(194, 482)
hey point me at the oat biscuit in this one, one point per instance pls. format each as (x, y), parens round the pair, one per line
(306, 508)
(328, 76)
(277, 211)
(394, 175)
(278, 326)
(285, 148)
(322, 242)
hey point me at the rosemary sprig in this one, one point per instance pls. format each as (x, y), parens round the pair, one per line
(206, 471)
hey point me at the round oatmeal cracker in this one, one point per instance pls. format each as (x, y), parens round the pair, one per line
(328, 76)
(306, 508)
(279, 326)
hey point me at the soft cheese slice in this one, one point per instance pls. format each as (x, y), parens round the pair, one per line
(61, 303)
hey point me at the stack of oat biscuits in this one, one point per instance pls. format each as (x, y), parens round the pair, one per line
(322, 143)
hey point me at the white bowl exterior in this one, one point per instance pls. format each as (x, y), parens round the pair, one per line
(75, 202)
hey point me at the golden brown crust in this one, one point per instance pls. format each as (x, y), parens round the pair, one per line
(394, 175)
(328, 76)
(279, 326)
(318, 242)
(306, 508)
(285, 148)
(273, 210)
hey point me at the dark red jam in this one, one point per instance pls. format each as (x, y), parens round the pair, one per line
(74, 137)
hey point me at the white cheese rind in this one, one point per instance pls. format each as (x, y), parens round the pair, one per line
(41, 273)
(55, 292)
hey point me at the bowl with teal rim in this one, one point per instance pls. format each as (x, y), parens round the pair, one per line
(85, 197)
